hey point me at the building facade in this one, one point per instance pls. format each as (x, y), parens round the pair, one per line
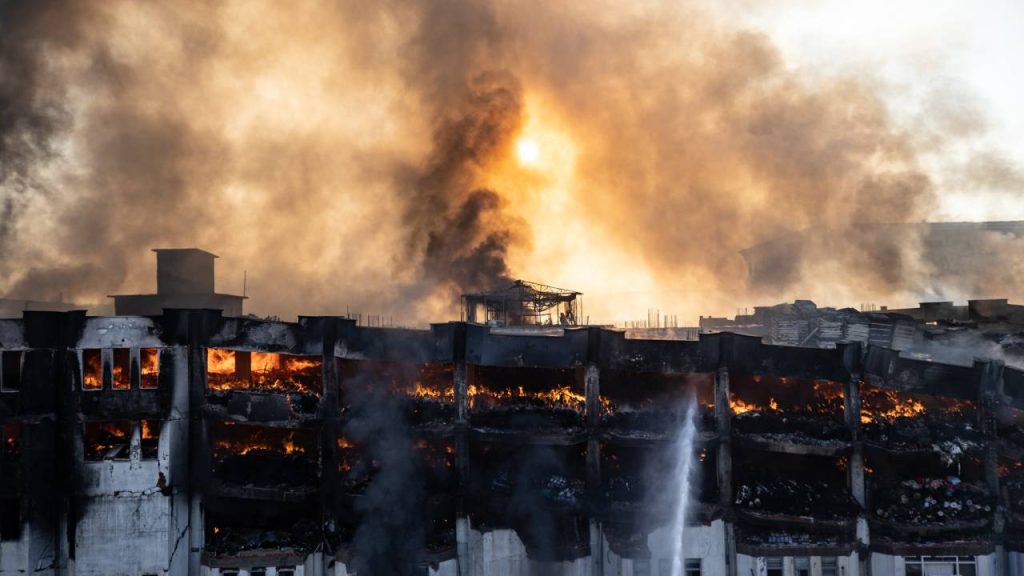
(196, 443)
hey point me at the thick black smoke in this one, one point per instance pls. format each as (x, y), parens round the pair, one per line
(458, 227)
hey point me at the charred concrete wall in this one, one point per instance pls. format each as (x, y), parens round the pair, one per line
(194, 443)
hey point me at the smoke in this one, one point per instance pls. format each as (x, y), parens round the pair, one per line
(361, 157)
(467, 236)
(392, 530)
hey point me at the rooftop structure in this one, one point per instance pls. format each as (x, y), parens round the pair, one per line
(523, 303)
(184, 279)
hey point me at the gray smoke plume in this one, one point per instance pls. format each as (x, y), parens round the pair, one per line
(392, 530)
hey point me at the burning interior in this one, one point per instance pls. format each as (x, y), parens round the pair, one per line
(909, 422)
(789, 411)
(228, 370)
(652, 405)
(526, 399)
(246, 455)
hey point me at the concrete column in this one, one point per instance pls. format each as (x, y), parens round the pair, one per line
(592, 388)
(596, 549)
(990, 390)
(461, 383)
(330, 425)
(462, 548)
(592, 391)
(851, 414)
(723, 418)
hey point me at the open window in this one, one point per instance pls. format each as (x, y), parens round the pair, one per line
(149, 368)
(92, 369)
(121, 362)
(109, 440)
(150, 438)
(263, 371)
(10, 370)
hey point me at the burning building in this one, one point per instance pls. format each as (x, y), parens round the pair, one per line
(191, 442)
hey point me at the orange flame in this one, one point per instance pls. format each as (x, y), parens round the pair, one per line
(269, 371)
(220, 361)
(121, 369)
(149, 367)
(561, 397)
(92, 370)
(882, 404)
(284, 444)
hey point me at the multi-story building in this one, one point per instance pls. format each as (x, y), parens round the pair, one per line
(195, 443)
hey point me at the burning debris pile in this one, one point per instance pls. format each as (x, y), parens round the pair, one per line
(910, 422)
(815, 498)
(229, 370)
(809, 413)
(542, 400)
(928, 501)
(263, 456)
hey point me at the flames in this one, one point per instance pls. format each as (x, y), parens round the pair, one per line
(266, 371)
(481, 397)
(885, 405)
(102, 439)
(122, 369)
(239, 440)
(150, 430)
(220, 361)
(435, 394)
(741, 407)
(92, 370)
(561, 397)
(149, 367)
(821, 397)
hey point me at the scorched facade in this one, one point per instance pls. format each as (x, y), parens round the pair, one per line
(193, 443)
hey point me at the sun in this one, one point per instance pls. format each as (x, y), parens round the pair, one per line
(528, 151)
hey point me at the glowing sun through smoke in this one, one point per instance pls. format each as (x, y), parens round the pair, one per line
(528, 151)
